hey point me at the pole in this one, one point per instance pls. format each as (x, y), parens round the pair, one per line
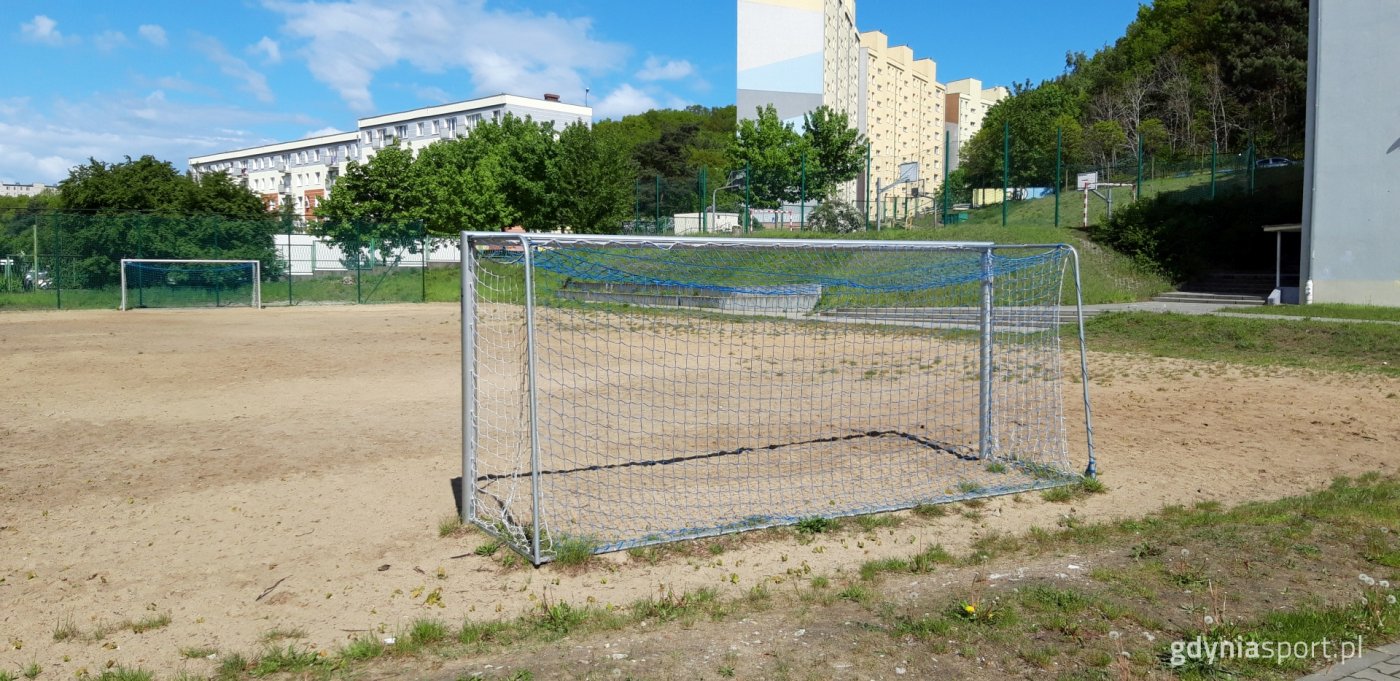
(1059, 150)
(1137, 190)
(468, 509)
(802, 211)
(984, 411)
(1005, 168)
(1251, 160)
(867, 186)
(657, 227)
(748, 209)
(702, 199)
(530, 352)
(289, 262)
(947, 182)
(1212, 168)
(1092, 469)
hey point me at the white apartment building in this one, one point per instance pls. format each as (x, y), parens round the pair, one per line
(304, 171)
(902, 117)
(967, 106)
(16, 189)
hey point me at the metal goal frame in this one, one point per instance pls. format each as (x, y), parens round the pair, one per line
(257, 273)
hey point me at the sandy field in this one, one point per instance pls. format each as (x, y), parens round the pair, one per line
(245, 471)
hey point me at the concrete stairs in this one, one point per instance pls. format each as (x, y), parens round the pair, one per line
(1006, 319)
(1224, 288)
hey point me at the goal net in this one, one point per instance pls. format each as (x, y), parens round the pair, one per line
(622, 391)
(190, 283)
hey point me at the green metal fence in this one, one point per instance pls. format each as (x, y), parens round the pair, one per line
(57, 260)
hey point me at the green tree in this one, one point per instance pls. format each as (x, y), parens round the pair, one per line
(145, 208)
(1104, 140)
(1153, 133)
(1034, 116)
(836, 151)
(375, 208)
(772, 151)
(592, 181)
(836, 216)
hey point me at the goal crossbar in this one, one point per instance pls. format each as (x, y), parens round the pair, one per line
(256, 271)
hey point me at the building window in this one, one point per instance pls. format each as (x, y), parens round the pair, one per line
(450, 124)
(401, 131)
(435, 127)
(420, 128)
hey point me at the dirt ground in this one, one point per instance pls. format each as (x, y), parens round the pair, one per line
(248, 471)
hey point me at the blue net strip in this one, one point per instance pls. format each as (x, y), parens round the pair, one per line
(925, 271)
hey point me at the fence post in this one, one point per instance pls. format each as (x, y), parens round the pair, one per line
(747, 197)
(656, 226)
(468, 510)
(1250, 160)
(984, 411)
(1059, 150)
(1137, 191)
(359, 265)
(802, 210)
(1212, 168)
(867, 186)
(423, 271)
(57, 265)
(947, 183)
(289, 263)
(703, 212)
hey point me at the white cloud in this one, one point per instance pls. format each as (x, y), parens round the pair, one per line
(673, 69)
(519, 52)
(109, 40)
(271, 51)
(42, 145)
(153, 34)
(319, 132)
(233, 67)
(43, 30)
(623, 101)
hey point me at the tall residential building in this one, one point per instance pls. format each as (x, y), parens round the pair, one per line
(797, 55)
(902, 117)
(968, 103)
(303, 172)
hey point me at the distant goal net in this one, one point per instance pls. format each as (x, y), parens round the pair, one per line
(623, 391)
(190, 283)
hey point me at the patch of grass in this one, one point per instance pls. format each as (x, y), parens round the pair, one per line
(65, 629)
(150, 623)
(31, 671)
(815, 525)
(1329, 346)
(197, 652)
(422, 633)
(873, 568)
(231, 667)
(574, 551)
(931, 510)
(450, 526)
(125, 674)
(282, 660)
(820, 582)
(969, 486)
(489, 548)
(282, 633)
(1080, 488)
(996, 467)
(875, 521)
(857, 593)
(6, 675)
(1328, 311)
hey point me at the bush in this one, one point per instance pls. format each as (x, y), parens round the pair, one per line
(837, 217)
(1182, 239)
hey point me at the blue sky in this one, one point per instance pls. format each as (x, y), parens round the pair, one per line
(176, 78)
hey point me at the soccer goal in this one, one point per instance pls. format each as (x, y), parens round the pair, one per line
(190, 283)
(622, 391)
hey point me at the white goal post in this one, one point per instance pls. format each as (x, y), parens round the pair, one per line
(192, 267)
(621, 391)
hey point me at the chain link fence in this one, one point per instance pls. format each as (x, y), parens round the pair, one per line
(56, 260)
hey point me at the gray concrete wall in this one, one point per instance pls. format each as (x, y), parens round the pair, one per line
(1351, 212)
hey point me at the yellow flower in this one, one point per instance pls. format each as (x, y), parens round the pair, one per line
(970, 609)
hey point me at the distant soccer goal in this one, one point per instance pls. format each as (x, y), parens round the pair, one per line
(190, 283)
(622, 391)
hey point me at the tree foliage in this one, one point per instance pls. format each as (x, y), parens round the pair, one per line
(836, 151)
(1186, 76)
(145, 208)
(772, 152)
(592, 179)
